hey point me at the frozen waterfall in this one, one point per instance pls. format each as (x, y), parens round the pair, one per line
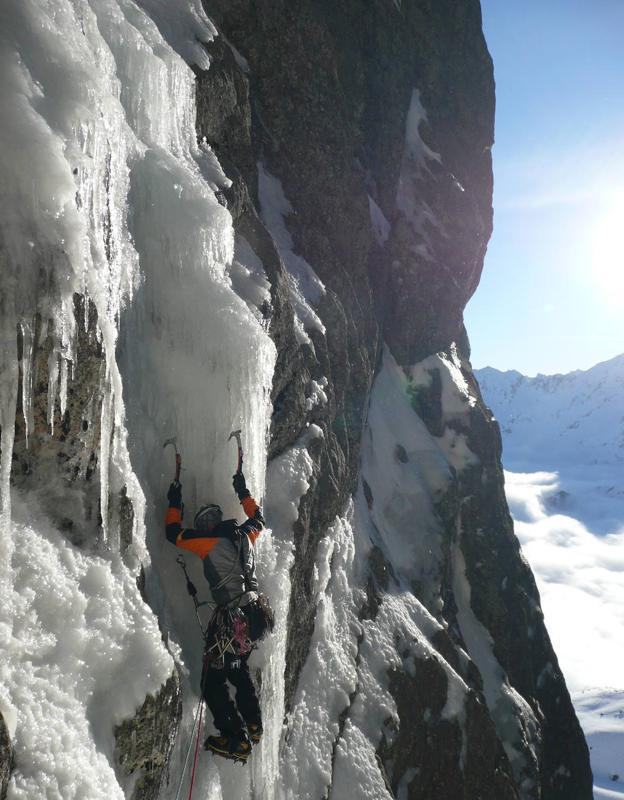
(112, 198)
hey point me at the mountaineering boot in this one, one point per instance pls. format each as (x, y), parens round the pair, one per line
(255, 731)
(237, 748)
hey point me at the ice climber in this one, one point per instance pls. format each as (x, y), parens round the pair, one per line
(241, 616)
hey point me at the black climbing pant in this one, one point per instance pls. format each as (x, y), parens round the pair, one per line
(227, 714)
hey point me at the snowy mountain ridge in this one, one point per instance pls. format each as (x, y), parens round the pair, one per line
(576, 418)
(562, 449)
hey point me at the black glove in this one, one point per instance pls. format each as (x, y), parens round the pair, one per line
(240, 487)
(174, 495)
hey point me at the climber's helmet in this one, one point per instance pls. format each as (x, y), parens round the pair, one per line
(208, 517)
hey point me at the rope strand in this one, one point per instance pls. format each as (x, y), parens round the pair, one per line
(201, 709)
(188, 750)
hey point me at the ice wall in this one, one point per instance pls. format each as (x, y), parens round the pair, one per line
(105, 193)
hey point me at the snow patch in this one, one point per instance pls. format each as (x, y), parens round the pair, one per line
(417, 157)
(329, 676)
(80, 655)
(317, 395)
(516, 725)
(288, 480)
(306, 289)
(416, 149)
(404, 783)
(380, 225)
(249, 279)
(406, 470)
(457, 399)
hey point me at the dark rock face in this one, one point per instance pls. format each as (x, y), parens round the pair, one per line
(143, 744)
(422, 755)
(6, 758)
(505, 600)
(378, 122)
(431, 746)
(331, 88)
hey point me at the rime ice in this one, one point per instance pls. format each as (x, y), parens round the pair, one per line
(106, 193)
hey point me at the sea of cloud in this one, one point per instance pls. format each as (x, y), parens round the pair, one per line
(572, 533)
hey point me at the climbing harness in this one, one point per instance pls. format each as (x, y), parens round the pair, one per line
(237, 630)
(227, 633)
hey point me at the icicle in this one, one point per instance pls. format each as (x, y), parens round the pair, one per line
(43, 332)
(68, 337)
(106, 431)
(85, 306)
(27, 377)
(8, 400)
(63, 387)
(53, 376)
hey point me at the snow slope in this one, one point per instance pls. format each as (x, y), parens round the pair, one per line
(573, 419)
(563, 444)
(571, 424)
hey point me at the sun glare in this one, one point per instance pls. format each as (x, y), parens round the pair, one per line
(607, 254)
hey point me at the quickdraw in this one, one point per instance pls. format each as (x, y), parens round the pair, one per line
(227, 633)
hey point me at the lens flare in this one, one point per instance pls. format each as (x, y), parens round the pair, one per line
(607, 255)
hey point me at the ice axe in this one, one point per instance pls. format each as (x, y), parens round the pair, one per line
(178, 457)
(237, 435)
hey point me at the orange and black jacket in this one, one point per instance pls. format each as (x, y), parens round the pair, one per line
(227, 550)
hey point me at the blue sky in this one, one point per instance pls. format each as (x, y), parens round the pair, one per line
(551, 298)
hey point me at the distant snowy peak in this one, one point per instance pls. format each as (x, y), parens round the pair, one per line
(606, 373)
(578, 417)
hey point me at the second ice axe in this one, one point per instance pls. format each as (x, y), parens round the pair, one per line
(237, 435)
(178, 457)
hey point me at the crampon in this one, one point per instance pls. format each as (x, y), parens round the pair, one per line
(237, 750)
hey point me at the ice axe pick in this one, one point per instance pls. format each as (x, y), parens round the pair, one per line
(237, 435)
(178, 457)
